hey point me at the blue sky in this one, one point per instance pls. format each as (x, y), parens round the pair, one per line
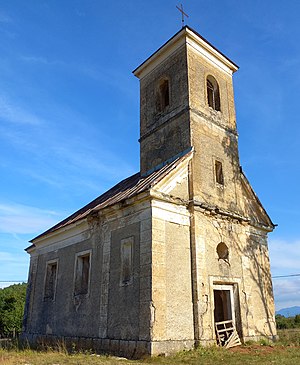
(69, 109)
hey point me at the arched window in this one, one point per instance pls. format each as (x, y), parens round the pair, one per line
(222, 251)
(213, 93)
(164, 94)
(219, 172)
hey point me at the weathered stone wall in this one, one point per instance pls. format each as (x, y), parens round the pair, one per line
(66, 315)
(213, 143)
(164, 133)
(198, 70)
(123, 298)
(127, 348)
(213, 135)
(114, 228)
(258, 289)
(111, 312)
(246, 270)
(172, 312)
(168, 141)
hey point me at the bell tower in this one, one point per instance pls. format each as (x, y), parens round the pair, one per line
(164, 104)
(186, 102)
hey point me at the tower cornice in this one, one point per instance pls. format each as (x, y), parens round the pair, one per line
(186, 36)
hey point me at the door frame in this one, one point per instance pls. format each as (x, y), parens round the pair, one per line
(228, 287)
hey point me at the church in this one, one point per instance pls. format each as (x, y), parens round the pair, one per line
(176, 255)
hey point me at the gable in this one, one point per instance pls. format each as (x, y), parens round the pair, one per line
(175, 183)
(253, 207)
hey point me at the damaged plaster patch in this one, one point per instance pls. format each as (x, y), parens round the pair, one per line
(152, 314)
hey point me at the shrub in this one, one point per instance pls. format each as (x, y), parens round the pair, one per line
(12, 302)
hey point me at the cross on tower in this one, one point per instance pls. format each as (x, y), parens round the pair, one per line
(183, 14)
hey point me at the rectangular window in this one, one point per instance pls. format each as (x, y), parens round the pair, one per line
(127, 260)
(82, 274)
(50, 281)
(219, 172)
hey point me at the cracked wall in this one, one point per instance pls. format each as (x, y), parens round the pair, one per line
(246, 270)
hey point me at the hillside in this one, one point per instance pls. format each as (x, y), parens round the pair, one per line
(289, 312)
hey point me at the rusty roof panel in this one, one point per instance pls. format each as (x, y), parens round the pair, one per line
(125, 189)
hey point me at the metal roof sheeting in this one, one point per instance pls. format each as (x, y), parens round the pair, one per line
(125, 189)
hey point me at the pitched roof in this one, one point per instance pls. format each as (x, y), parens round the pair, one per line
(184, 31)
(125, 189)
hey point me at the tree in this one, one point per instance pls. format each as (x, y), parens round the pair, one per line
(287, 322)
(12, 302)
(281, 322)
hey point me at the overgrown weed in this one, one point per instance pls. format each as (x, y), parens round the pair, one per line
(289, 337)
(284, 352)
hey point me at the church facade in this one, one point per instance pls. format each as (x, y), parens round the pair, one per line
(152, 265)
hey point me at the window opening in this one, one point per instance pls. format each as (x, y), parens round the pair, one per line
(213, 93)
(126, 261)
(210, 94)
(222, 251)
(219, 172)
(82, 274)
(164, 95)
(50, 283)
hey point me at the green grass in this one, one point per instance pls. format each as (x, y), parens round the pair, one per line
(284, 352)
(289, 337)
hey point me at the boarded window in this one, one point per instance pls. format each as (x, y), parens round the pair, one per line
(219, 172)
(50, 282)
(213, 93)
(126, 261)
(82, 274)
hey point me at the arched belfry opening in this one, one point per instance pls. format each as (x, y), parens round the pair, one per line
(163, 94)
(213, 93)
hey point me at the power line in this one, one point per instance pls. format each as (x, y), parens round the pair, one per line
(273, 277)
(285, 276)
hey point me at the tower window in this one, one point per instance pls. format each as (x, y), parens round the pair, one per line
(82, 274)
(50, 282)
(213, 93)
(164, 95)
(219, 172)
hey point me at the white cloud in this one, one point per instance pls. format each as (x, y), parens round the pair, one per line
(286, 292)
(285, 258)
(23, 219)
(5, 284)
(14, 267)
(112, 78)
(42, 60)
(6, 257)
(15, 138)
(14, 114)
(67, 165)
